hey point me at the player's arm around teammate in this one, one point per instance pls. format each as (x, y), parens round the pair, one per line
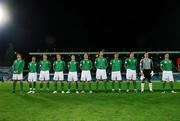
(86, 66)
(32, 75)
(17, 68)
(167, 75)
(58, 67)
(116, 65)
(131, 65)
(44, 77)
(72, 75)
(101, 74)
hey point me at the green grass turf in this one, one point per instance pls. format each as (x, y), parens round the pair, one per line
(90, 107)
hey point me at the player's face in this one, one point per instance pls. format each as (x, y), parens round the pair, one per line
(101, 54)
(146, 55)
(58, 57)
(33, 58)
(18, 56)
(166, 56)
(44, 57)
(116, 55)
(72, 57)
(85, 56)
(131, 55)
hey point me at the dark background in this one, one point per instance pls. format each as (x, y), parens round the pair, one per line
(62, 25)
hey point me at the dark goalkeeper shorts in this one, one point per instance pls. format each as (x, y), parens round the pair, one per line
(147, 74)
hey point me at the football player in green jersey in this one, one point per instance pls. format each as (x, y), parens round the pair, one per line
(130, 65)
(86, 66)
(58, 67)
(116, 65)
(72, 75)
(45, 66)
(101, 65)
(32, 75)
(17, 68)
(167, 75)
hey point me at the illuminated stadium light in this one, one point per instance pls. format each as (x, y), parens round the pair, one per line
(4, 15)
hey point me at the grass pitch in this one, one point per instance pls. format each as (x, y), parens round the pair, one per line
(90, 107)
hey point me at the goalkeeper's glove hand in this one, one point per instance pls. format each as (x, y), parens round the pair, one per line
(152, 73)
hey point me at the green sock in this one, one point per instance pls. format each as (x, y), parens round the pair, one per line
(41, 86)
(21, 85)
(97, 85)
(47, 85)
(30, 86)
(55, 86)
(172, 85)
(62, 86)
(76, 85)
(83, 86)
(14, 86)
(128, 84)
(105, 85)
(34, 85)
(69, 85)
(119, 84)
(164, 85)
(89, 86)
(112, 84)
(134, 84)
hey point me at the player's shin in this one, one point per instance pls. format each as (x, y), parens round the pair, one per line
(172, 85)
(62, 85)
(105, 85)
(76, 85)
(113, 85)
(164, 86)
(30, 86)
(21, 86)
(14, 86)
(150, 86)
(97, 85)
(69, 86)
(34, 86)
(142, 86)
(89, 86)
(119, 85)
(47, 85)
(41, 85)
(55, 85)
(135, 85)
(83, 85)
(128, 84)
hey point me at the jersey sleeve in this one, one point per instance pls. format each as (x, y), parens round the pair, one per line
(141, 65)
(125, 63)
(54, 64)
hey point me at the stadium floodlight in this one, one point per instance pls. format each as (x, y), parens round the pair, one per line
(4, 14)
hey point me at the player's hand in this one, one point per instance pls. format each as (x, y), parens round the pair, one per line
(152, 73)
(14, 72)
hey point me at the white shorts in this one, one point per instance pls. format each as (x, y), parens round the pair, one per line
(86, 76)
(32, 77)
(58, 76)
(17, 76)
(130, 74)
(167, 76)
(44, 76)
(72, 76)
(101, 74)
(116, 75)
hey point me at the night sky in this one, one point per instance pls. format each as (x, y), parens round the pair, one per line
(42, 24)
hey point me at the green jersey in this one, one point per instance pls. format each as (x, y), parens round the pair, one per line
(72, 66)
(32, 67)
(86, 65)
(59, 65)
(116, 64)
(101, 63)
(131, 63)
(45, 65)
(18, 66)
(166, 65)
